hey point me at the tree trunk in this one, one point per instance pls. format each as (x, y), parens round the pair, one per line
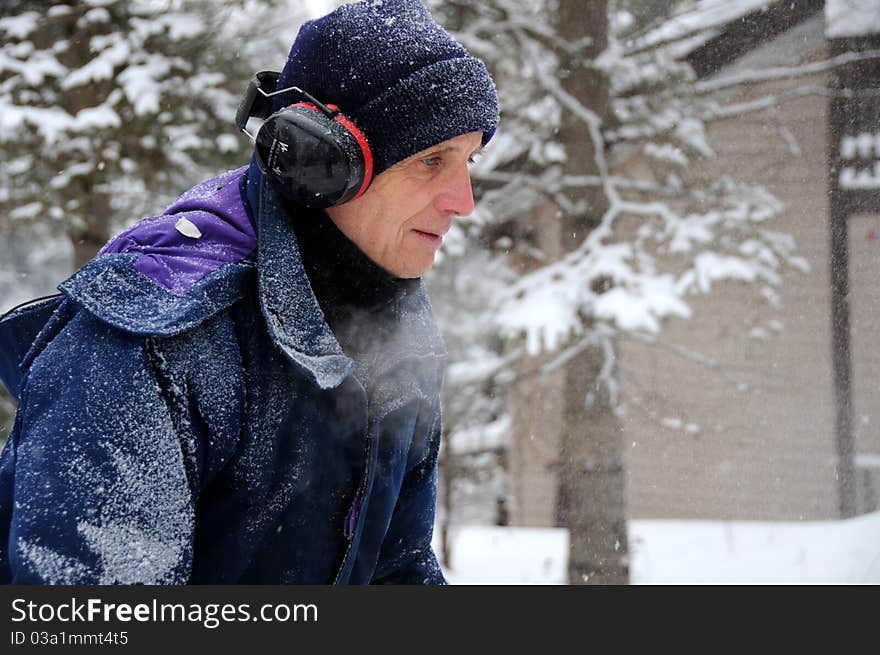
(592, 483)
(7, 414)
(447, 474)
(90, 233)
(87, 206)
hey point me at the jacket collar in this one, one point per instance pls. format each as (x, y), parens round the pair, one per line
(292, 313)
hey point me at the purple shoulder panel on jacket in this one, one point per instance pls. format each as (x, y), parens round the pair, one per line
(204, 229)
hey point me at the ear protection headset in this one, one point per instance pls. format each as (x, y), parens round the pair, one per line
(312, 152)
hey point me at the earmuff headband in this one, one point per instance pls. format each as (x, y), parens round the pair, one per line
(257, 103)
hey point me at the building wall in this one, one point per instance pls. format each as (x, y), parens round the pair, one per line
(536, 414)
(731, 415)
(762, 440)
(534, 459)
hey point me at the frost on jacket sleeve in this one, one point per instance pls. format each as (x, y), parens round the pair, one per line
(407, 556)
(99, 488)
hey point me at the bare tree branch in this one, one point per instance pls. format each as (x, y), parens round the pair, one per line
(784, 72)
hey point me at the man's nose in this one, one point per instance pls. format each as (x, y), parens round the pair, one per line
(457, 196)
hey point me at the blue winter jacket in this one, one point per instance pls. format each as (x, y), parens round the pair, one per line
(187, 416)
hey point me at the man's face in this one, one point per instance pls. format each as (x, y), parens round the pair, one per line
(400, 221)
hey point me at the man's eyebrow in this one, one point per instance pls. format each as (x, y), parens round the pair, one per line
(435, 151)
(443, 150)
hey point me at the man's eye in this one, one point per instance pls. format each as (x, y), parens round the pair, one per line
(431, 162)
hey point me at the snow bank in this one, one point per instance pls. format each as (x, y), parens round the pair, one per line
(683, 552)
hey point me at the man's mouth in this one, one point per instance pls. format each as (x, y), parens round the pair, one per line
(431, 237)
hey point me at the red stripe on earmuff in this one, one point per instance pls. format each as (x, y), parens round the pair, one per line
(358, 136)
(365, 149)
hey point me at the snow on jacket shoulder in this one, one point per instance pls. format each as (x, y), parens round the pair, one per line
(186, 416)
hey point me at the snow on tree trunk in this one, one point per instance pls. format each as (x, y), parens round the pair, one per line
(592, 483)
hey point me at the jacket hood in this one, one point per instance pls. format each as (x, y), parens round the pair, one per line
(19, 328)
(168, 273)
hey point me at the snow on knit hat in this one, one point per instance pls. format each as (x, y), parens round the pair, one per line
(399, 76)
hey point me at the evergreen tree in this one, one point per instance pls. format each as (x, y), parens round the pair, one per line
(111, 108)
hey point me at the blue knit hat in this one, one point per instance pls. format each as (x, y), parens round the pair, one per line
(400, 77)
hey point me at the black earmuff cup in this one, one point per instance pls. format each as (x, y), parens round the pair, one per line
(314, 160)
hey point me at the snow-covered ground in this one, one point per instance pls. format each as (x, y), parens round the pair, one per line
(683, 552)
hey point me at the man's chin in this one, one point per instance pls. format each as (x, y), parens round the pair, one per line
(410, 270)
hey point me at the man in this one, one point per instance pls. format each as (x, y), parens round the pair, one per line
(244, 390)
